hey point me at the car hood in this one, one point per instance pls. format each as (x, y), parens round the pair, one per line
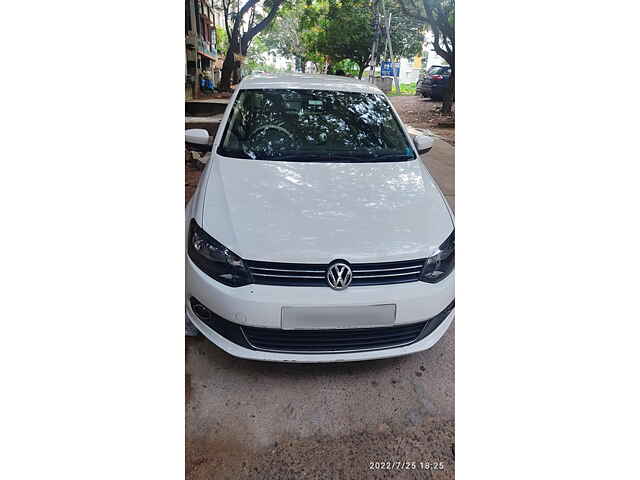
(319, 212)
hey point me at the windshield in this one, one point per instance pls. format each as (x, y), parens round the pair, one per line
(439, 70)
(314, 126)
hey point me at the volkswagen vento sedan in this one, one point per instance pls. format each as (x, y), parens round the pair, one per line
(316, 233)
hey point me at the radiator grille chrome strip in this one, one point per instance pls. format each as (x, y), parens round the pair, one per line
(313, 275)
(415, 272)
(284, 276)
(286, 270)
(357, 270)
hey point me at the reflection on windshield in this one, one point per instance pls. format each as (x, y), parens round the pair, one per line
(313, 125)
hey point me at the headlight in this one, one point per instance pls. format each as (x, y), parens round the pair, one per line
(441, 264)
(215, 259)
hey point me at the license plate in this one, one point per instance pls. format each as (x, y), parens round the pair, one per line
(352, 316)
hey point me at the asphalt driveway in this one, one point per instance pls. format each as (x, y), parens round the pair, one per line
(258, 420)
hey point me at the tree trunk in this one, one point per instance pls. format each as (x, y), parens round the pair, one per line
(229, 66)
(235, 41)
(361, 72)
(227, 71)
(240, 44)
(449, 96)
(237, 74)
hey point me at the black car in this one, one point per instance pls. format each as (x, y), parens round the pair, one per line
(435, 82)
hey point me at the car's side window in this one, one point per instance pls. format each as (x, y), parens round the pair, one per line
(237, 122)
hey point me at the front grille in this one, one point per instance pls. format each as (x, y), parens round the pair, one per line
(319, 341)
(313, 274)
(316, 341)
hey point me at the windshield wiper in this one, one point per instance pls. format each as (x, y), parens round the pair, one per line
(301, 157)
(386, 157)
(367, 157)
(350, 157)
(321, 157)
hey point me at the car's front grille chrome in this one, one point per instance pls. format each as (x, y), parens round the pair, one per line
(314, 275)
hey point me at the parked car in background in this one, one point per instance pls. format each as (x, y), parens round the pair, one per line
(435, 83)
(425, 72)
(316, 233)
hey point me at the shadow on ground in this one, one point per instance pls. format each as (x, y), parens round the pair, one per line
(246, 419)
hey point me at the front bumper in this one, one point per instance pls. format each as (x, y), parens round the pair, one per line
(261, 306)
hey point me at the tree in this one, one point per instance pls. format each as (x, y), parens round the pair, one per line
(407, 32)
(439, 15)
(349, 32)
(312, 19)
(241, 27)
(338, 30)
(255, 55)
(346, 30)
(286, 36)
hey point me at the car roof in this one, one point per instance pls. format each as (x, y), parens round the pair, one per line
(304, 81)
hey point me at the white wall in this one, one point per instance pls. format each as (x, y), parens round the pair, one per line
(279, 62)
(408, 74)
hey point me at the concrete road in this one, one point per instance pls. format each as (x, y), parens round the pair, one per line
(260, 420)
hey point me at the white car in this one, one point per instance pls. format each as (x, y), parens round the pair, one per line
(316, 234)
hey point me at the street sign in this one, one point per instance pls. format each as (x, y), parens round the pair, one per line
(389, 69)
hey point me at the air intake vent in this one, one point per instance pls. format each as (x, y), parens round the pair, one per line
(316, 341)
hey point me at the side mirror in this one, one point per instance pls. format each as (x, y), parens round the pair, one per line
(423, 143)
(197, 140)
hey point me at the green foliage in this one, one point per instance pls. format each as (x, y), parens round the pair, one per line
(222, 42)
(405, 89)
(349, 67)
(338, 33)
(256, 57)
(407, 32)
(257, 49)
(347, 32)
(285, 35)
(342, 30)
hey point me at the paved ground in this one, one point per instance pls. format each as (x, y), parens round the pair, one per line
(260, 420)
(441, 163)
(420, 112)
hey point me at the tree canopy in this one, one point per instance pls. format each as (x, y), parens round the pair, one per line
(333, 34)
(339, 33)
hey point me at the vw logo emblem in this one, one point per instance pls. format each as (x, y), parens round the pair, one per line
(339, 275)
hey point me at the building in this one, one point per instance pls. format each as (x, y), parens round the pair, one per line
(410, 69)
(202, 61)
